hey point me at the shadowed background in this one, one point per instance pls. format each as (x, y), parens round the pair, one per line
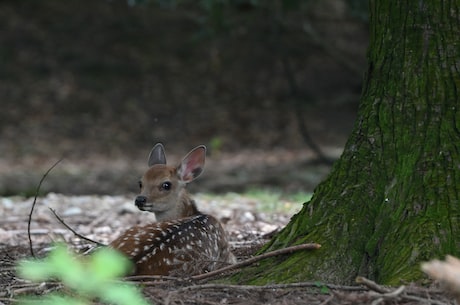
(263, 85)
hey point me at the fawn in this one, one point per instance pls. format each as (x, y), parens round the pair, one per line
(183, 241)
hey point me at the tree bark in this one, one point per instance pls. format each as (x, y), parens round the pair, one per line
(392, 200)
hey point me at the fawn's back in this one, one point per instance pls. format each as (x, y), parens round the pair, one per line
(182, 247)
(183, 241)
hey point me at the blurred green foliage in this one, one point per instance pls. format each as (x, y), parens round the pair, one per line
(85, 279)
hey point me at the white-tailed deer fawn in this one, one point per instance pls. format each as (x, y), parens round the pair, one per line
(183, 241)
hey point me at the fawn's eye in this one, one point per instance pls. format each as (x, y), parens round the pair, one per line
(140, 184)
(166, 186)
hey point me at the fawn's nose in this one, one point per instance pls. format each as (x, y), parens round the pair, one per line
(140, 201)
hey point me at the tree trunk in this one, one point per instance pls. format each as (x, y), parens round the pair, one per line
(392, 199)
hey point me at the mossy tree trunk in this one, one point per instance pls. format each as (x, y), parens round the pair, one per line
(392, 199)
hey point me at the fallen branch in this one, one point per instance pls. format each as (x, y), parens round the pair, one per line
(252, 260)
(390, 296)
(385, 294)
(156, 280)
(75, 232)
(36, 288)
(270, 287)
(327, 300)
(256, 288)
(249, 261)
(35, 201)
(371, 285)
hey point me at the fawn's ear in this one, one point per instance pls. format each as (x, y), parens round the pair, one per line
(157, 155)
(192, 165)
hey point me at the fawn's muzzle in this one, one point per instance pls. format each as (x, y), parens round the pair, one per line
(140, 201)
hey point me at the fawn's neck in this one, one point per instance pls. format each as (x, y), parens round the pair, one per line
(187, 206)
(184, 207)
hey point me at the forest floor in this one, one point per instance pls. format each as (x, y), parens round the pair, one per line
(102, 218)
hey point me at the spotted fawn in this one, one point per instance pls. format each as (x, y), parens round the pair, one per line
(183, 241)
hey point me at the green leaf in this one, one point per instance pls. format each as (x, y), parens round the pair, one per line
(34, 270)
(88, 277)
(65, 266)
(323, 288)
(107, 264)
(123, 294)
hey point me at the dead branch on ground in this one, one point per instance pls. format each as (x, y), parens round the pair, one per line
(35, 201)
(381, 294)
(75, 232)
(244, 263)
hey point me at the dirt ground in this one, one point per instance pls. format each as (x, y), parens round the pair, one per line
(102, 218)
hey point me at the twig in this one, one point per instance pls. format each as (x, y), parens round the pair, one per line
(381, 297)
(74, 232)
(252, 260)
(423, 300)
(327, 300)
(269, 287)
(395, 293)
(371, 285)
(386, 293)
(159, 279)
(297, 102)
(249, 261)
(37, 288)
(35, 201)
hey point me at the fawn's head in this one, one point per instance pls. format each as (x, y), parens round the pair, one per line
(162, 187)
